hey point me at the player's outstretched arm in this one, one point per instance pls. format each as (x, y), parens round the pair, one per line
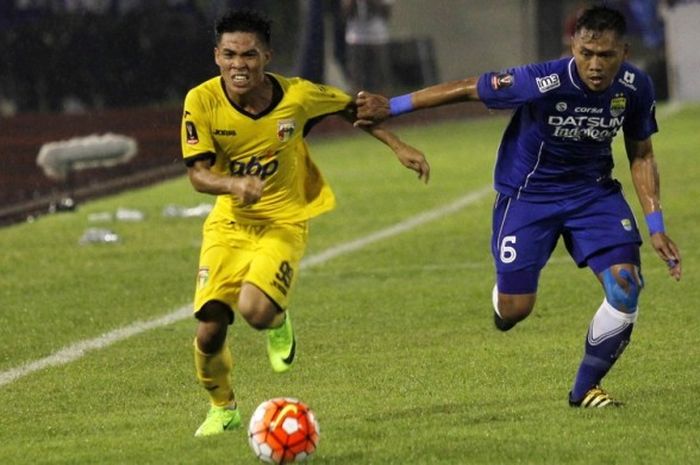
(246, 189)
(645, 177)
(408, 156)
(375, 108)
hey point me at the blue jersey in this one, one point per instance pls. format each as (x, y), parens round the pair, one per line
(558, 142)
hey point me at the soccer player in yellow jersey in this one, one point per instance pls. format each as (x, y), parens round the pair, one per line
(243, 141)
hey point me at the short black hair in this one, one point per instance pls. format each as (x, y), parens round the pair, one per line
(244, 21)
(601, 18)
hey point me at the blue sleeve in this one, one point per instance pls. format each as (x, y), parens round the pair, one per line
(640, 123)
(515, 86)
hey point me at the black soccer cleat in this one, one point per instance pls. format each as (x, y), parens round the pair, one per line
(500, 323)
(595, 397)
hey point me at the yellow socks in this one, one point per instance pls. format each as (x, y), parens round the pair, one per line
(213, 372)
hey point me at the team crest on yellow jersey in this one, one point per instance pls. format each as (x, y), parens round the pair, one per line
(618, 105)
(285, 129)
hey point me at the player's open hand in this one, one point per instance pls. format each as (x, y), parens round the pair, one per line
(371, 109)
(668, 251)
(414, 159)
(246, 189)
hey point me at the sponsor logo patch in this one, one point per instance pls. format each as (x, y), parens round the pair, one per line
(255, 166)
(561, 106)
(627, 80)
(585, 127)
(501, 81)
(324, 90)
(547, 83)
(593, 110)
(224, 132)
(192, 137)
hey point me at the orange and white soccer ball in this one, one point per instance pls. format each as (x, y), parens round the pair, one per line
(283, 430)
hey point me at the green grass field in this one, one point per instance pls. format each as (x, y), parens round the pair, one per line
(397, 353)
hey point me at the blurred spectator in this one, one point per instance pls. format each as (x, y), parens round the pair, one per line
(312, 59)
(645, 16)
(367, 38)
(71, 56)
(569, 27)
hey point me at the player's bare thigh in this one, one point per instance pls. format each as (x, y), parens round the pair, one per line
(516, 307)
(257, 308)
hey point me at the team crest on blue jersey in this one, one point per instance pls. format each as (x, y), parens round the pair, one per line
(626, 224)
(285, 129)
(618, 105)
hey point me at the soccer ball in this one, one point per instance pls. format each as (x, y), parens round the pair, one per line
(283, 430)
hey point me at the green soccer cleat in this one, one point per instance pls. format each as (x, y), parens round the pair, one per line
(219, 419)
(281, 346)
(596, 397)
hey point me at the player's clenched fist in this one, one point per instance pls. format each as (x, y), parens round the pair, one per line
(371, 108)
(247, 189)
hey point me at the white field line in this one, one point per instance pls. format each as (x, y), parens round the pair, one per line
(79, 349)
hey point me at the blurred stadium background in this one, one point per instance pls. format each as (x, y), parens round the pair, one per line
(72, 68)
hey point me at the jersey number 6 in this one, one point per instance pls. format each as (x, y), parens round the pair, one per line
(508, 252)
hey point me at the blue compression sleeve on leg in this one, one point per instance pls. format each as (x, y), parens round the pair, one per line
(624, 301)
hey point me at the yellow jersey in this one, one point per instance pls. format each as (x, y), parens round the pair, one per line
(270, 145)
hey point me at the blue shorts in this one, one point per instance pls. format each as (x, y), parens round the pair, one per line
(599, 230)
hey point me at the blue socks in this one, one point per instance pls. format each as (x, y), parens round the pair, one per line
(608, 335)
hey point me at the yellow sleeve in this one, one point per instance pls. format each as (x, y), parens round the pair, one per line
(196, 134)
(322, 99)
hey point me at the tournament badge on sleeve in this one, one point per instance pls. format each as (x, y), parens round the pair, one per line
(192, 137)
(202, 277)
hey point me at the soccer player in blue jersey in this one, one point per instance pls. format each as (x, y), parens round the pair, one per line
(553, 179)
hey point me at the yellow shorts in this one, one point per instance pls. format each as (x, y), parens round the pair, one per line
(267, 256)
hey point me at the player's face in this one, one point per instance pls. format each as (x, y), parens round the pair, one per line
(598, 56)
(241, 58)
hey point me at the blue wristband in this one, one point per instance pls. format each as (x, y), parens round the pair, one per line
(400, 104)
(655, 222)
